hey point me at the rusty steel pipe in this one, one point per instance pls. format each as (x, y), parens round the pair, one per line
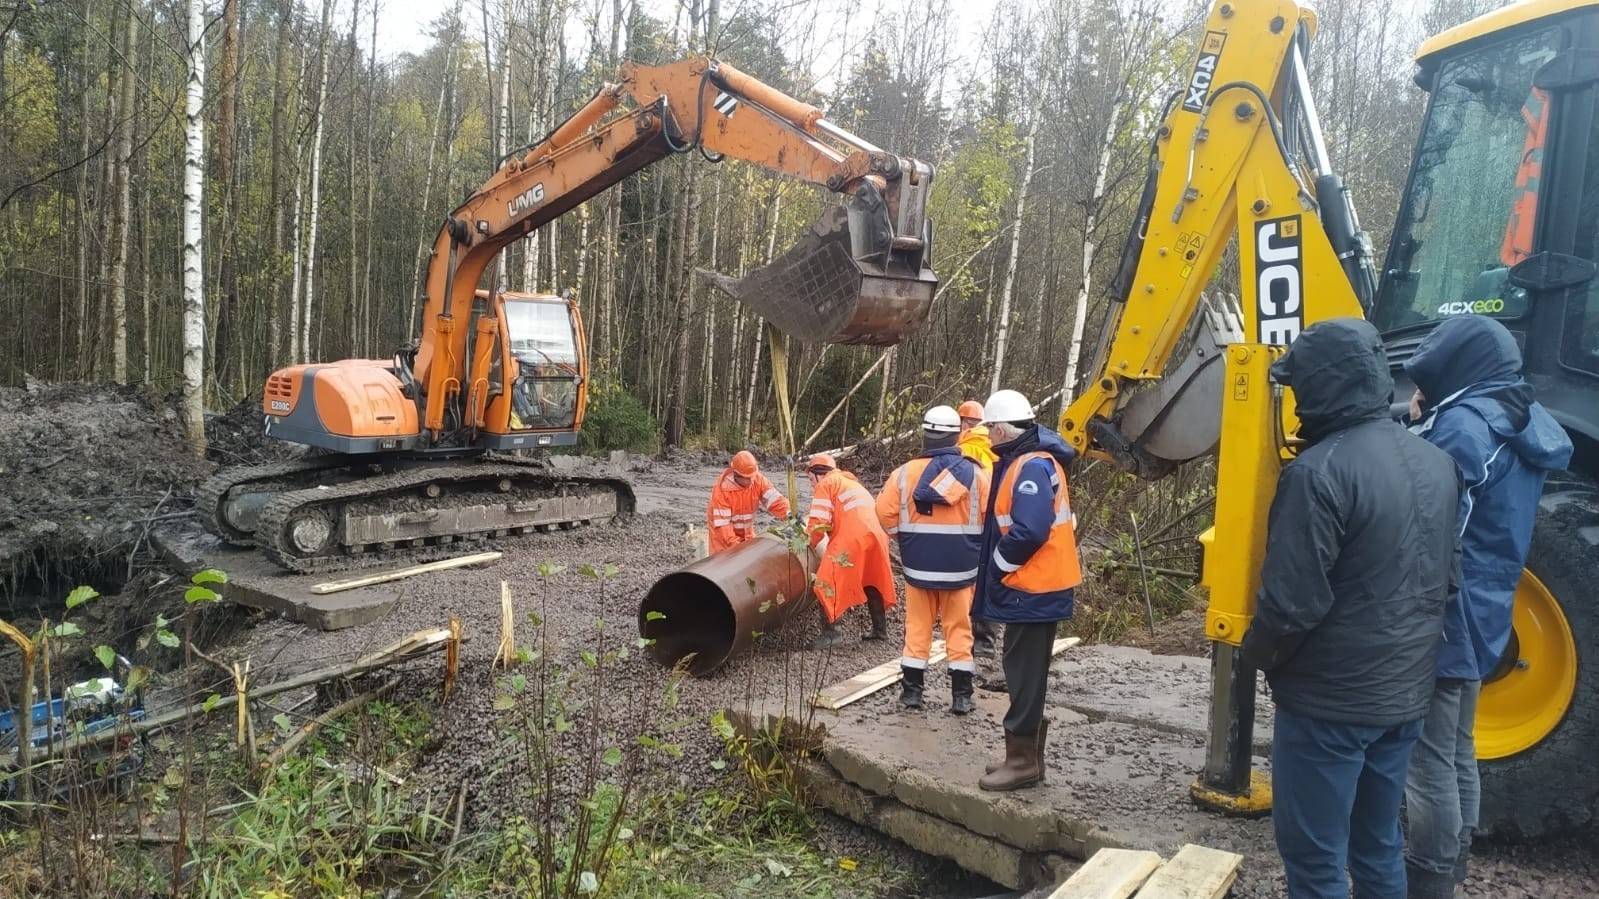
(713, 608)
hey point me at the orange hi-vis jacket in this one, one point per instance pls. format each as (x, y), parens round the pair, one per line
(856, 555)
(730, 516)
(941, 548)
(1030, 536)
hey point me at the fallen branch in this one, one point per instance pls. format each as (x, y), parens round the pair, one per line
(826, 420)
(1168, 572)
(304, 731)
(402, 650)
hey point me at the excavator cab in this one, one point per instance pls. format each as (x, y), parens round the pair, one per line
(541, 372)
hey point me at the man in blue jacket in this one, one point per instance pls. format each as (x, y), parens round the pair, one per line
(1030, 566)
(1472, 403)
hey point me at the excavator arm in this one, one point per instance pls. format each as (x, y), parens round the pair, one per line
(861, 275)
(1179, 375)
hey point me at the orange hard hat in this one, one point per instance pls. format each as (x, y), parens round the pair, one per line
(744, 464)
(820, 460)
(971, 409)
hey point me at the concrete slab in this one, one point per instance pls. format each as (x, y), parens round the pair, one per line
(1126, 740)
(255, 582)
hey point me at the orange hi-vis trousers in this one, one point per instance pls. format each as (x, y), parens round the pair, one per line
(953, 610)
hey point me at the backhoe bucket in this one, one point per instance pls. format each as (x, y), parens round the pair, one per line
(844, 282)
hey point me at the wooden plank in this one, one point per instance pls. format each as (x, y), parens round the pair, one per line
(869, 681)
(399, 573)
(888, 674)
(1110, 874)
(1195, 872)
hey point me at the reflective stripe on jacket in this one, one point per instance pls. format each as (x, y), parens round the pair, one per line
(856, 557)
(730, 515)
(940, 548)
(1030, 536)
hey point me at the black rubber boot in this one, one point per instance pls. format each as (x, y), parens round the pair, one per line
(830, 636)
(879, 612)
(960, 692)
(982, 639)
(910, 686)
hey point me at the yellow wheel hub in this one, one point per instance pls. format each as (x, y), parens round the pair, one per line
(1525, 699)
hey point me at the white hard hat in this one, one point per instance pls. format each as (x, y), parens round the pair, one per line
(1007, 405)
(941, 420)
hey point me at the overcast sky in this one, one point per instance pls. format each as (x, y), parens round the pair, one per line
(820, 24)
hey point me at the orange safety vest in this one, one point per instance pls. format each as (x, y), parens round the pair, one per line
(730, 515)
(940, 550)
(1055, 566)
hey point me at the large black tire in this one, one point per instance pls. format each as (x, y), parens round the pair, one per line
(1554, 786)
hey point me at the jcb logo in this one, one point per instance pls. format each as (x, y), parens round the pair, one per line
(525, 201)
(1279, 283)
(1204, 71)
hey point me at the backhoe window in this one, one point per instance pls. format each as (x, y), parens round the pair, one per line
(1473, 199)
(544, 395)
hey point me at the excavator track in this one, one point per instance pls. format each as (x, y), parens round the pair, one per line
(220, 515)
(421, 513)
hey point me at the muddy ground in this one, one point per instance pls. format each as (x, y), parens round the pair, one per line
(84, 470)
(671, 496)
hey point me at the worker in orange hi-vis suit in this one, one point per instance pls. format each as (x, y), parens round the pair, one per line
(853, 550)
(934, 505)
(739, 492)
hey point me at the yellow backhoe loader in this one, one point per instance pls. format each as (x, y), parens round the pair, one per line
(1500, 217)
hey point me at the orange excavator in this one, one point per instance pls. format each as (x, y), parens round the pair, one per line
(419, 452)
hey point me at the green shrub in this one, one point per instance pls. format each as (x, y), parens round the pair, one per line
(616, 420)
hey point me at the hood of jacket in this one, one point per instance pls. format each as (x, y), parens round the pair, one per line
(1038, 438)
(1339, 374)
(1473, 361)
(946, 458)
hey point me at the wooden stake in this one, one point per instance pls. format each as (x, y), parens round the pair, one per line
(506, 654)
(400, 573)
(452, 658)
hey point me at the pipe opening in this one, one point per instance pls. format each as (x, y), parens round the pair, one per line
(699, 619)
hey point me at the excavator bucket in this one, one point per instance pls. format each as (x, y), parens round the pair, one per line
(846, 281)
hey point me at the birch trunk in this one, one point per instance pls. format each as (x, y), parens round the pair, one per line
(193, 212)
(1090, 249)
(318, 121)
(280, 72)
(445, 85)
(760, 323)
(122, 212)
(502, 123)
(1002, 329)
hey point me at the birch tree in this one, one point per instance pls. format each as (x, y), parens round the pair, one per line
(1002, 329)
(193, 215)
(319, 116)
(122, 212)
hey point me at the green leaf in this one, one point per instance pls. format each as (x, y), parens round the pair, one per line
(81, 595)
(66, 629)
(137, 678)
(106, 655)
(653, 615)
(587, 882)
(612, 757)
(168, 639)
(200, 594)
(162, 621)
(589, 658)
(283, 722)
(504, 703)
(549, 569)
(562, 725)
(609, 571)
(721, 725)
(173, 777)
(210, 702)
(718, 764)
(518, 683)
(644, 642)
(209, 576)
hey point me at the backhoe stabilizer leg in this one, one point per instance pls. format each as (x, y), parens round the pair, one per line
(1229, 784)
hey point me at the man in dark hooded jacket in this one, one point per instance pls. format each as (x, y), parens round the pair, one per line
(1472, 403)
(1360, 562)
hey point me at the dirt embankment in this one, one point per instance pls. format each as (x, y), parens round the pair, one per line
(83, 470)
